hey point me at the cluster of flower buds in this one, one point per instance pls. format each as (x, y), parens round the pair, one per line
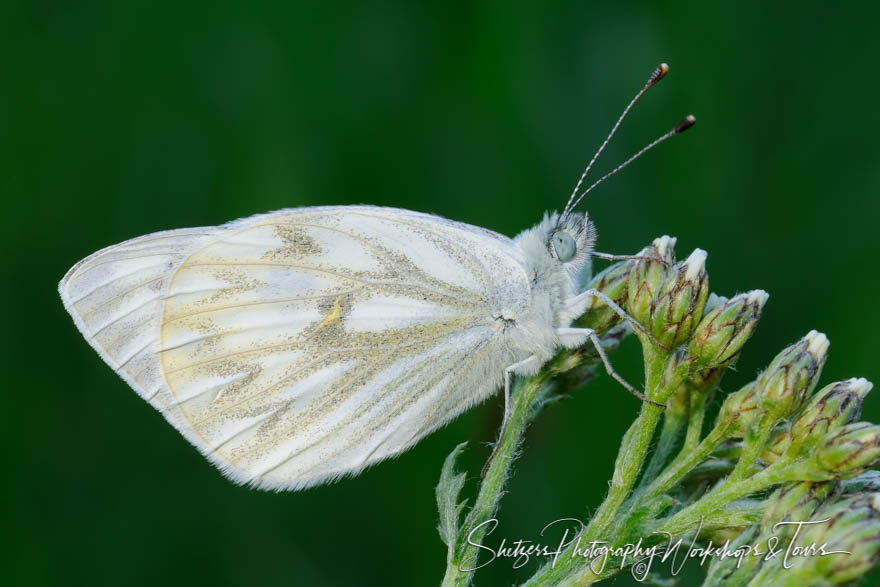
(788, 505)
(667, 297)
(832, 407)
(776, 414)
(760, 411)
(847, 531)
(672, 301)
(774, 426)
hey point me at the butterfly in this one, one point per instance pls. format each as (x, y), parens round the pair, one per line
(296, 347)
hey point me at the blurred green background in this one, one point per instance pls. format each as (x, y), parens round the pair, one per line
(119, 119)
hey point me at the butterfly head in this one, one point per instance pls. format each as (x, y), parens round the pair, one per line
(569, 239)
(559, 242)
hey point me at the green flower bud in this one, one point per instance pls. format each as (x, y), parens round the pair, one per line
(706, 380)
(678, 404)
(712, 302)
(732, 570)
(791, 376)
(679, 303)
(849, 450)
(858, 533)
(647, 277)
(777, 446)
(723, 331)
(738, 411)
(851, 527)
(793, 502)
(867, 482)
(833, 406)
(730, 521)
(612, 282)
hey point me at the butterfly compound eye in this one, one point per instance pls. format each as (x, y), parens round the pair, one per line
(564, 246)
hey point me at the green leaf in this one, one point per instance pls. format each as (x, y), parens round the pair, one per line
(448, 490)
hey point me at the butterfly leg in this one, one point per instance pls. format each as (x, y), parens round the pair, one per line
(526, 366)
(574, 337)
(581, 300)
(609, 257)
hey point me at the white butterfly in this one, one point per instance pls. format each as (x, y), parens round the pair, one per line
(299, 346)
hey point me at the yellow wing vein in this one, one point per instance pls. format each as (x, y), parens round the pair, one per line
(414, 285)
(266, 302)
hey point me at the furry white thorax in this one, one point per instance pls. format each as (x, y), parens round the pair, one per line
(553, 282)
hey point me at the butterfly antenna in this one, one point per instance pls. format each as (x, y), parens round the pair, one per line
(656, 76)
(684, 124)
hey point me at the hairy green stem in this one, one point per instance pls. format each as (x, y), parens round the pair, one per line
(697, 413)
(635, 444)
(686, 460)
(753, 445)
(669, 433)
(460, 570)
(725, 493)
(628, 465)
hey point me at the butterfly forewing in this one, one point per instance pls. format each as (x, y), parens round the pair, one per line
(301, 345)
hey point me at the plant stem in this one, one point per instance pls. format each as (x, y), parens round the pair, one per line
(634, 446)
(718, 498)
(460, 570)
(686, 460)
(752, 446)
(669, 433)
(629, 462)
(697, 413)
(630, 458)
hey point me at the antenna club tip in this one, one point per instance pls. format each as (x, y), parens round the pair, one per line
(685, 123)
(659, 72)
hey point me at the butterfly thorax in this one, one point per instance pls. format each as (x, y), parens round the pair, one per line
(552, 280)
